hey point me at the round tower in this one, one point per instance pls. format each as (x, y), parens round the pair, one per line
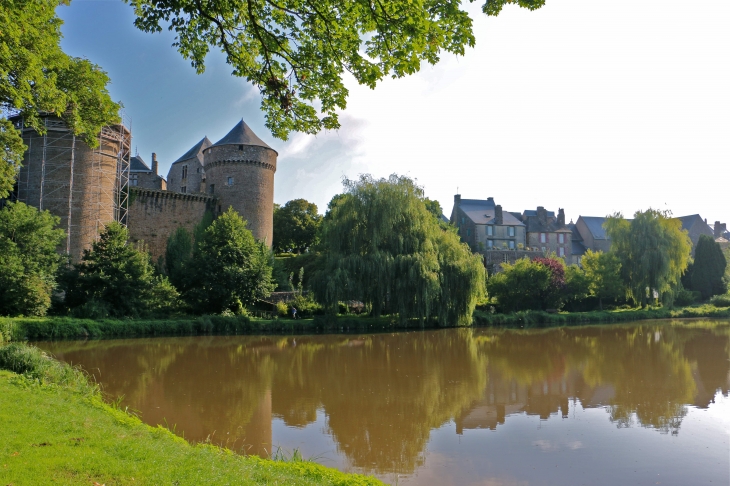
(65, 176)
(239, 172)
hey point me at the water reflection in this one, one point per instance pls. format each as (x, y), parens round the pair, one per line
(382, 395)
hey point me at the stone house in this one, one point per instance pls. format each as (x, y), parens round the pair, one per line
(548, 233)
(187, 174)
(484, 226)
(592, 233)
(578, 249)
(142, 176)
(695, 226)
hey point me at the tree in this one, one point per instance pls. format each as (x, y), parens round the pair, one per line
(37, 76)
(381, 246)
(529, 284)
(297, 51)
(708, 268)
(295, 226)
(603, 271)
(653, 251)
(28, 259)
(230, 269)
(118, 278)
(178, 255)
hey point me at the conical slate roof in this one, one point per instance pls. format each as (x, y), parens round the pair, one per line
(242, 134)
(196, 150)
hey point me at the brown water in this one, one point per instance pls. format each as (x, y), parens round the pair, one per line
(624, 404)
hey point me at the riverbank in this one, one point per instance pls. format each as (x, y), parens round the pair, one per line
(50, 328)
(57, 429)
(537, 319)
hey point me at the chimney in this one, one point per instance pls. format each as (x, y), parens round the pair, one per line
(561, 217)
(154, 163)
(719, 228)
(457, 199)
(542, 215)
(498, 214)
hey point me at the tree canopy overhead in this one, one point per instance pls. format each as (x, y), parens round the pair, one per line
(297, 52)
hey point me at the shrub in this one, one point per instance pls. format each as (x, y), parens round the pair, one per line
(721, 300)
(687, 297)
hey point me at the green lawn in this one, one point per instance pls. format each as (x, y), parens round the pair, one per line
(58, 434)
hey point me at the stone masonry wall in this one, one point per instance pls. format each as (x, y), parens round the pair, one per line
(154, 215)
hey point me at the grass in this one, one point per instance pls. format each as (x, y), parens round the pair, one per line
(43, 328)
(57, 429)
(528, 319)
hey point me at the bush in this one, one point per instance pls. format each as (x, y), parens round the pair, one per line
(687, 297)
(35, 364)
(721, 300)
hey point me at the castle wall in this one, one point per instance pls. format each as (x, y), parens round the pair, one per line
(250, 170)
(154, 215)
(65, 176)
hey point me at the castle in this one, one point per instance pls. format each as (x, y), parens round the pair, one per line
(90, 187)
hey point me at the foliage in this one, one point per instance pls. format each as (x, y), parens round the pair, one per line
(37, 76)
(28, 259)
(295, 226)
(576, 286)
(687, 297)
(603, 272)
(721, 300)
(524, 285)
(382, 247)
(708, 268)
(119, 277)
(434, 207)
(653, 251)
(297, 51)
(178, 255)
(230, 269)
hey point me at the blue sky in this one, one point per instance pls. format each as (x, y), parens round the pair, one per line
(593, 106)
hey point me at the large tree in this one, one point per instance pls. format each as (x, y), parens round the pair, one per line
(537, 284)
(28, 259)
(230, 269)
(708, 268)
(118, 278)
(653, 251)
(295, 226)
(383, 247)
(37, 76)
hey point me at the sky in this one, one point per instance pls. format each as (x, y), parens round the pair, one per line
(594, 106)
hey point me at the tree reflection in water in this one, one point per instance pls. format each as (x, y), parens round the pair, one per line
(383, 394)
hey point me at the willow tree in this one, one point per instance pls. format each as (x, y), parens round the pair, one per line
(653, 251)
(383, 247)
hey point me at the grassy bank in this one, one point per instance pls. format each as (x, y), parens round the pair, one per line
(57, 429)
(18, 329)
(528, 319)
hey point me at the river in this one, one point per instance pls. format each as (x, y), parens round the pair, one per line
(640, 403)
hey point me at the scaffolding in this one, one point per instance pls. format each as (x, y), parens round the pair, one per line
(87, 188)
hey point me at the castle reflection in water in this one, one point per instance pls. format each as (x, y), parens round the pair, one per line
(383, 394)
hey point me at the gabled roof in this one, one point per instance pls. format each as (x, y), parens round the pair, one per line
(481, 211)
(595, 226)
(689, 222)
(241, 134)
(196, 151)
(136, 164)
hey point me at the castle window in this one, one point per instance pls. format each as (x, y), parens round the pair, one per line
(230, 181)
(240, 147)
(183, 189)
(184, 172)
(212, 188)
(133, 180)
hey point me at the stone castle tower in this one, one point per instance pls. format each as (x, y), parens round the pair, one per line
(239, 172)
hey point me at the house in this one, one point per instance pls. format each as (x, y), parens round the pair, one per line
(695, 226)
(483, 225)
(593, 234)
(548, 233)
(141, 175)
(578, 249)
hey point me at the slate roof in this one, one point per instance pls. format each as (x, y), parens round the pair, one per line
(481, 211)
(242, 134)
(695, 226)
(196, 151)
(534, 225)
(533, 212)
(444, 218)
(136, 164)
(595, 226)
